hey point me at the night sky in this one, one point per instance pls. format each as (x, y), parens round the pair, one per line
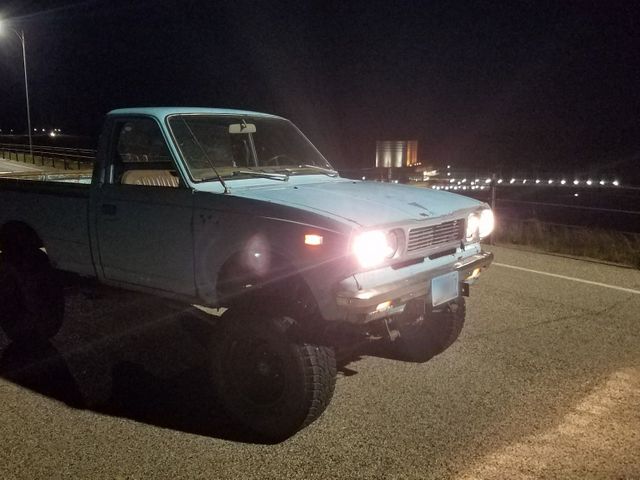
(513, 86)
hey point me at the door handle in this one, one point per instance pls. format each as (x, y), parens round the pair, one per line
(108, 209)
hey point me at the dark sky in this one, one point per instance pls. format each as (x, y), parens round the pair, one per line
(513, 85)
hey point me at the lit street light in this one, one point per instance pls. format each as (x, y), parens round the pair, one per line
(20, 35)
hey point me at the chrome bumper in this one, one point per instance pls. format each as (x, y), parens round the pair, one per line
(368, 304)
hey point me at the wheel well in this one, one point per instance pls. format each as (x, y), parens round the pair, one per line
(18, 236)
(270, 283)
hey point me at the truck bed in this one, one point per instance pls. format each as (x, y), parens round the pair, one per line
(56, 207)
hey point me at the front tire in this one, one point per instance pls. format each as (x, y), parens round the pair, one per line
(268, 379)
(31, 297)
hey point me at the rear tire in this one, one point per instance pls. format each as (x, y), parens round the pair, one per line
(269, 380)
(426, 338)
(31, 296)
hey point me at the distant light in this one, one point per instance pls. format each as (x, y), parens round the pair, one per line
(464, 180)
(589, 182)
(448, 166)
(537, 180)
(477, 180)
(488, 180)
(482, 187)
(35, 129)
(576, 194)
(576, 182)
(500, 181)
(52, 134)
(563, 181)
(616, 183)
(43, 129)
(550, 181)
(464, 188)
(602, 182)
(524, 181)
(513, 180)
(452, 180)
(364, 178)
(448, 174)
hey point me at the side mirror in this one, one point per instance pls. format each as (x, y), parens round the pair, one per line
(242, 128)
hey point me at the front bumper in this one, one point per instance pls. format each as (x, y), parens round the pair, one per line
(370, 303)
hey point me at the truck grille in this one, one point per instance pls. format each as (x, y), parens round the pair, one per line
(432, 235)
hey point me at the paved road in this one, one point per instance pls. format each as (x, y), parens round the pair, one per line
(543, 383)
(9, 166)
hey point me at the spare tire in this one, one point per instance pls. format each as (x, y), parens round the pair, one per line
(31, 296)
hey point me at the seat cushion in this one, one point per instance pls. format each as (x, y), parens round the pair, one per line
(150, 178)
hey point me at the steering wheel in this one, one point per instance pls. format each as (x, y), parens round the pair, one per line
(277, 160)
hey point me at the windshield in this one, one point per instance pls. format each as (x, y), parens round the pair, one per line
(243, 146)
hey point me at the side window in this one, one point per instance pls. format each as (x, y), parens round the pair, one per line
(141, 156)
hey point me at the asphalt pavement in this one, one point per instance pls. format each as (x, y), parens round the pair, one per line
(544, 382)
(9, 166)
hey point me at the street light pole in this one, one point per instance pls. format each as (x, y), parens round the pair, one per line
(20, 35)
(26, 91)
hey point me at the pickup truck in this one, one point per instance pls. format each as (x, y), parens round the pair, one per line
(237, 209)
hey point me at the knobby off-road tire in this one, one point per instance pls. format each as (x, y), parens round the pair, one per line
(31, 297)
(423, 340)
(270, 381)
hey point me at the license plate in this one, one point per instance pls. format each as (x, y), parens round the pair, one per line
(444, 288)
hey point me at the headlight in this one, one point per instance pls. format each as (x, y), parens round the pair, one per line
(479, 224)
(486, 222)
(473, 223)
(373, 248)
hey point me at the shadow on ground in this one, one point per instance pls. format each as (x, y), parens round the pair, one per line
(132, 356)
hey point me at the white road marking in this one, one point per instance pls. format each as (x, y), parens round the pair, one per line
(584, 433)
(574, 279)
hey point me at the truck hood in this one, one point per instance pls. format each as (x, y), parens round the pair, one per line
(366, 204)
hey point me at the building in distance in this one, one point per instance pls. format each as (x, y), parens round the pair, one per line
(397, 153)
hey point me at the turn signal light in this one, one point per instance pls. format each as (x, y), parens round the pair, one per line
(313, 239)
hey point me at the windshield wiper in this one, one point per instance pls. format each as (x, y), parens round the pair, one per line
(327, 171)
(206, 157)
(273, 176)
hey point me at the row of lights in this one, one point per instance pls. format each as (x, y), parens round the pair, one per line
(459, 187)
(52, 132)
(537, 181)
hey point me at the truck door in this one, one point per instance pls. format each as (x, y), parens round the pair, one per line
(144, 211)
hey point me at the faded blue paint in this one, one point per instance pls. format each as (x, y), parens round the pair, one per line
(363, 203)
(162, 112)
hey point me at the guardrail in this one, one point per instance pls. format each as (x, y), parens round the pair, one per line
(55, 157)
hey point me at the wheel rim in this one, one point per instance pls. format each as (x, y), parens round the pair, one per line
(257, 371)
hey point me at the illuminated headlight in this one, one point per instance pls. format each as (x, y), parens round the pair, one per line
(480, 224)
(486, 222)
(373, 248)
(473, 224)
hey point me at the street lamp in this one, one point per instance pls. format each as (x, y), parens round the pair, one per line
(20, 35)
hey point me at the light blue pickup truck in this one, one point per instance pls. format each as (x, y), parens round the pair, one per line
(236, 209)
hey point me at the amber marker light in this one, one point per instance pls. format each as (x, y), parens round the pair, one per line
(313, 239)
